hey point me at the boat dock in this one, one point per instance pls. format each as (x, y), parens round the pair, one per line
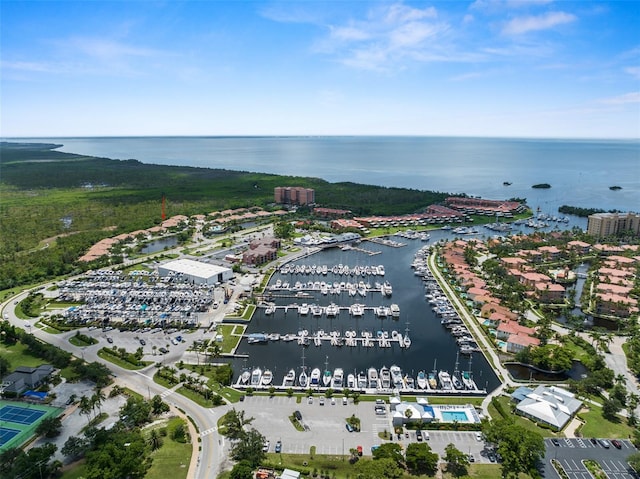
(351, 338)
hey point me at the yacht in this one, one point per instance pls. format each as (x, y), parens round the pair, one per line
(256, 376)
(338, 375)
(468, 382)
(315, 377)
(373, 380)
(432, 381)
(422, 380)
(385, 378)
(381, 269)
(382, 311)
(396, 376)
(332, 310)
(362, 380)
(303, 309)
(351, 381)
(267, 377)
(409, 382)
(457, 384)
(395, 310)
(289, 378)
(316, 310)
(444, 378)
(387, 290)
(356, 309)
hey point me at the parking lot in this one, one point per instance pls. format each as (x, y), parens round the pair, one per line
(571, 452)
(326, 427)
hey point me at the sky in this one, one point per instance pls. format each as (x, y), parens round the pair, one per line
(498, 68)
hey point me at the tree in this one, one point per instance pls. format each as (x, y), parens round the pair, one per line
(158, 406)
(117, 454)
(457, 461)
(233, 423)
(520, 448)
(421, 459)
(634, 461)
(74, 447)
(85, 407)
(242, 470)
(5, 366)
(154, 440)
(385, 467)
(49, 427)
(610, 409)
(389, 450)
(249, 448)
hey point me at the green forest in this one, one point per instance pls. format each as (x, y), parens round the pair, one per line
(54, 205)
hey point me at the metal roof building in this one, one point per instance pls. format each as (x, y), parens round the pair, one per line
(195, 271)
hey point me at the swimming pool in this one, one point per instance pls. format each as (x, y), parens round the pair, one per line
(451, 416)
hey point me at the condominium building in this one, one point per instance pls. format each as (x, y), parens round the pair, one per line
(608, 224)
(294, 195)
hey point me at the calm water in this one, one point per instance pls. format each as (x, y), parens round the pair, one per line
(431, 342)
(579, 171)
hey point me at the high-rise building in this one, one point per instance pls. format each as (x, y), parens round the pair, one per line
(294, 195)
(608, 224)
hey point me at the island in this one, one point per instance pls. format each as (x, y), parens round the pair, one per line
(506, 183)
(542, 186)
(615, 188)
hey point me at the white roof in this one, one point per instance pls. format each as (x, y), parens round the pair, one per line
(194, 268)
(289, 474)
(552, 405)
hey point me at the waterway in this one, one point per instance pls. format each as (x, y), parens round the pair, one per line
(432, 344)
(159, 245)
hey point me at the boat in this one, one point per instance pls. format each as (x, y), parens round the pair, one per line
(245, 376)
(396, 376)
(382, 311)
(267, 377)
(356, 309)
(373, 380)
(457, 384)
(444, 378)
(332, 310)
(303, 309)
(395, 310)
(387, 290)
(316, 310)
(362, 380)
(289, 378)
(432, 381)
(338, 375)
(468, 382)
(303, 379)
(256, 376)
(385, 378)
(255, 338)
(409, 382)
(351, 381)
(422, 380)
(315, 377)
(326, 378)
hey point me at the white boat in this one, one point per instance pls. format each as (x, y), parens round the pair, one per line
(395, 310)
(332, 310)
(303, 309)
(267, 377)
(303, 379)
(351, 381)
(422, 380)
(245, 376)
(362, 380)
(445, 380)
(457, 384)
(338, 375)
(326, 378)
(316, 310)
(289, 378)
(256, 376)
(381, 269)
(385, 378)
(409, 382)
(382, 311)
(387, 290)
(432, 381)
(396, 376)
(468, 382)
(356, 309)
(373, 380)
(315, 377)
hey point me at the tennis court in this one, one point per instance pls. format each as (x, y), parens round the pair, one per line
(19, 420)
(20, 415)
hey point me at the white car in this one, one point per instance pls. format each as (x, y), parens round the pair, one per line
(265, 448)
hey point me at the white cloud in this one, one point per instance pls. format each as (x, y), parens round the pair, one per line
(520, 25)
(627, 98)
(633, 71)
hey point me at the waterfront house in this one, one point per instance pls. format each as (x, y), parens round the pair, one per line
(550, 405)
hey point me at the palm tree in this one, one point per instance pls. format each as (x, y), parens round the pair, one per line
(85, 407)
(98, 399)
(154, 440)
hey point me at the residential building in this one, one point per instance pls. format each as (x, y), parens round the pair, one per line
(549, 405)
(294, 195)
(608, 224)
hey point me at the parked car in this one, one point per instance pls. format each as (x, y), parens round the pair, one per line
(345, 401)
(359, 449)
(555, 442)
(297, 415)
(310, 400)
(478, 436)
(491, 456)
(617, 444)
(471, 458)
(604, 443)
(419, 435)
(349, 427)
(110, 340)
(321, 401)
(265, 448)
(594, 440)
(278, 446)
(143, 342)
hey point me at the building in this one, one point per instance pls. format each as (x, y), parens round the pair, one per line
(549, 405)
(25, 378)
(294, 195)
(261, 251)
(609, 224)
(195, 271)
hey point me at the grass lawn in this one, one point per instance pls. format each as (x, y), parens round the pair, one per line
(195, 397)
(18, 355)
(230, 337)
(76, 471)
(597, 426)
(119, 362)
(172, 459)
(519, 420)
(482, 471)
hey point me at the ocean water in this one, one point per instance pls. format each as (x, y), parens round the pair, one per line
(580, 172)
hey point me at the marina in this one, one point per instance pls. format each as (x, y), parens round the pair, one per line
(363, 333)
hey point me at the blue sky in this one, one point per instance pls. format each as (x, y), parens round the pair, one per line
(486, 68)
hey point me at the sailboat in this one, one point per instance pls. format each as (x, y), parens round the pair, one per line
(303, 379)
(326, 376)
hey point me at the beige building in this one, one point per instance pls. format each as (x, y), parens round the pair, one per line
(608, 224)
(294, 195)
